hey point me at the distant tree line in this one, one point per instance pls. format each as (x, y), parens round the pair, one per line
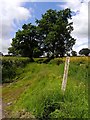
(50, 37)
(1, 54)
(85, 51)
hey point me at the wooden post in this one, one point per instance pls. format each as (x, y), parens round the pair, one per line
(64, 82)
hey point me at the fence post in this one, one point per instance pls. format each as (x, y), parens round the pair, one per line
(64, 82)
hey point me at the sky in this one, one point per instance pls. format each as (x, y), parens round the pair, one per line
(15, 13)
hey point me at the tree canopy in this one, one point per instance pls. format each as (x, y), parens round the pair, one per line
(1, 54)
(84, 51)
(25, 42)
(74, 53)
(51, 35)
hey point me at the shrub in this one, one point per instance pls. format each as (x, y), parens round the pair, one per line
(56, 61)
(48, 109)
(10, 66)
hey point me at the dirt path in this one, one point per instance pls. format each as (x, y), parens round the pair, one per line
(10, 95)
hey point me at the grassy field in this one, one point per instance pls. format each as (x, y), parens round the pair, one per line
(36, 90)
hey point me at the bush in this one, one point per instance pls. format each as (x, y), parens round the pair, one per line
(10, 66)
(48, 109)
(56, 61)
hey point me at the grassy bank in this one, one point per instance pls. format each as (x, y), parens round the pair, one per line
(10, 65)
(37, 91)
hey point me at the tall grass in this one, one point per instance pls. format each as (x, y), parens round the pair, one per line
(42, 94)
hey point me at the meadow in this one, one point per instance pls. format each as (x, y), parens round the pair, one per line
(33, 89)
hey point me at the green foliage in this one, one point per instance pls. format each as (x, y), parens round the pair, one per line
(56, 32)
(9, 67)
(48, 109)
(84, 51)
(74, 53)
(24, 42)
(56, 61)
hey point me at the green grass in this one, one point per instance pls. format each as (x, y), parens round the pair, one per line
(37, 91)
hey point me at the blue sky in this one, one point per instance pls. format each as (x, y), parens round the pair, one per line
(15, 13)
(39, 8)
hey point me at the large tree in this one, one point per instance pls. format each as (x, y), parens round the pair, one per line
(56, 31)
(84, 51)
(25, 42)
(51, 35)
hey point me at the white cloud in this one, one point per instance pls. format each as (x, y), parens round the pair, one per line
(80, 22)
(11, 14)
(74, 5)
(4, 45)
